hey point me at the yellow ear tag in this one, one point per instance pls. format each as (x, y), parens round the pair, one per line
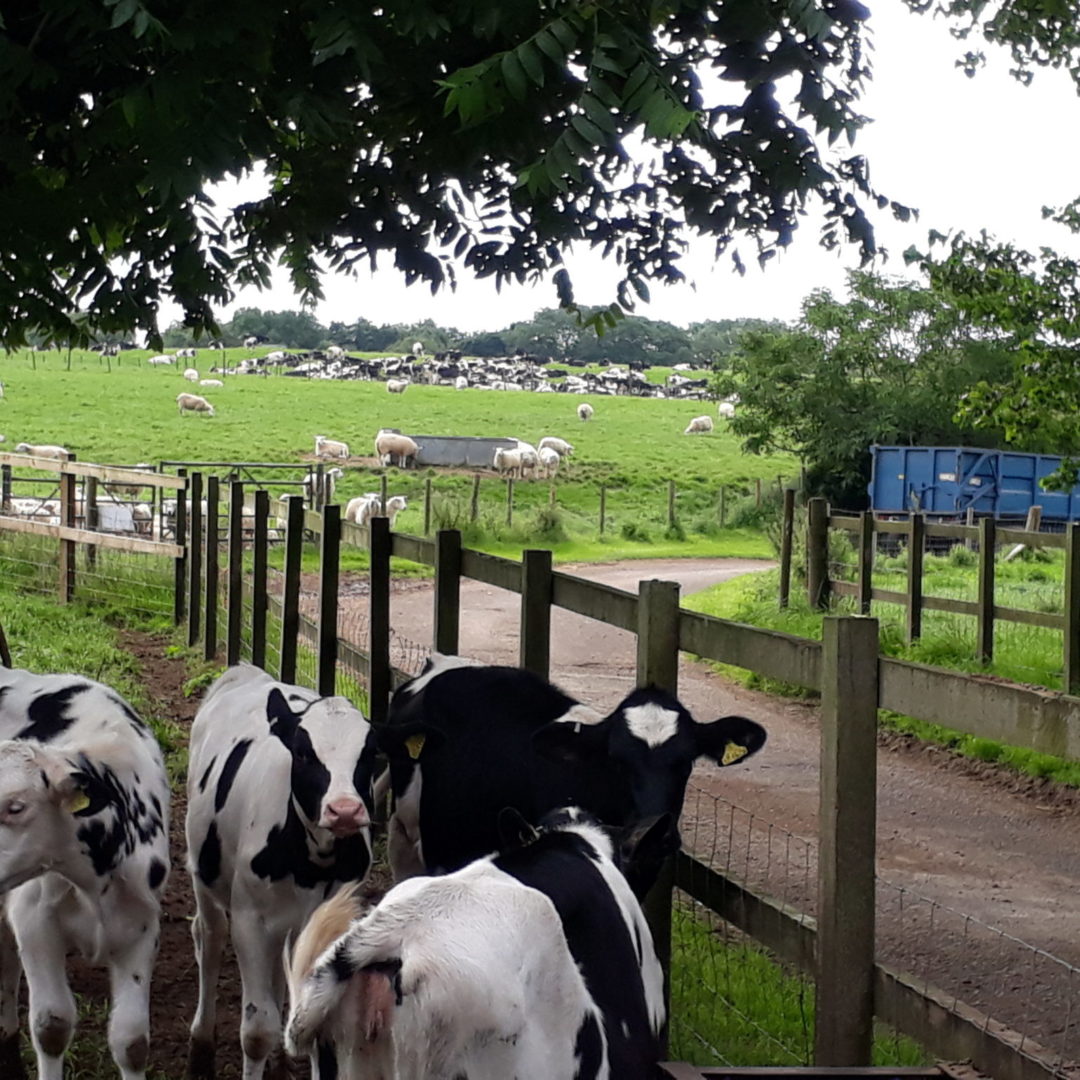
(414, 744)
(79, 801)
(733, 752)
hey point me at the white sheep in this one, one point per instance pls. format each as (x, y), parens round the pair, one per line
(45, 450)
(191, 374)
(560, 446)
(211, 382)
(193, 403)
(390, 445)
(159, 361)
(507, 462)
(549, 461)
(397, 386)
(700, 425)
(335, 352)
(330, 477)
(530, 461)
(418, 348)
(585, 411)
(332, 448)
(725, 409)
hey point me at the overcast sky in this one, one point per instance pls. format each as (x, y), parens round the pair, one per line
(968, 153)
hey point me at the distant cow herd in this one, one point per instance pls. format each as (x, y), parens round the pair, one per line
(525, 828)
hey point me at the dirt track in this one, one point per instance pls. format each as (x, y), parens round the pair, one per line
(999, 851)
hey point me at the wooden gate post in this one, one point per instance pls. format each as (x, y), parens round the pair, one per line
(379, 682)
(259, 603)
(290, 596)
(235, 615)
(5, 485)
(195, 560)
(180, 563)
(509, 501)
(817, 553)
(671, 504)
(985, 598)
(787, 530)
(329, 566)
(90, 514)
(210, 617)
(867, 550)
(603, 508)
(915, 552)
(844, 990)
(384, 493)
(658, 665)
(1072, 608)
(427, 505)
(67, 547)
(474, 501)
(447, 591)
(535, 637)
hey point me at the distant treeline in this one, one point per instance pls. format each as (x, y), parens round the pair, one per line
(551, 333)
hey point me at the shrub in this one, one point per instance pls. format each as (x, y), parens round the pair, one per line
(631, 530)
(962, 556)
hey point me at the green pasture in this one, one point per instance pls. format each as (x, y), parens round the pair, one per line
(123, 411)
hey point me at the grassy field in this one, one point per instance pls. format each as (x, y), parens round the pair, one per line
(632, 446)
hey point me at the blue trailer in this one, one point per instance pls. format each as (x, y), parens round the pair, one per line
(948, 480)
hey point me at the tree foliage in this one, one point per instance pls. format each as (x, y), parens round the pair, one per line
(889, 365)
(484, 134)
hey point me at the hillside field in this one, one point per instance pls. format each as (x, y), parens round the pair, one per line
(632, 446)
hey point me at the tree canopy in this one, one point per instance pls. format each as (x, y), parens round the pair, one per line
(482, 134)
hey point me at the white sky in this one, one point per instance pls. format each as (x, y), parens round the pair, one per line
(968, 153)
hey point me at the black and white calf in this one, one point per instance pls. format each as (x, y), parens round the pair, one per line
(84, 854)
(279, 801)
(537, 963)
(464, 741)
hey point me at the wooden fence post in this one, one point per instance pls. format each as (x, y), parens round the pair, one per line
(195, 560)
(985, 598)
(427, 505)
(235, 610)
(509, 501)
(379, 621)
(67, 547)
(290, 595)
(180, 562)
(817, 553)
(5, 485)
(722, 508)
(318, 491)
(787, 530)
(384, 493)
(603, 507)
(329, 555)
(757, 491)
(474, 502)
(447, 590)
(969, 521)
(535, 636)
(259, 603)
(866, 561)
(915, 553)
(90, 513)
(210, 616)
(658, 665)
(844, 989)
(671, 504)
(1072, 608)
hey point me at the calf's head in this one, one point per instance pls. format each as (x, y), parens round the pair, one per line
(333, 756)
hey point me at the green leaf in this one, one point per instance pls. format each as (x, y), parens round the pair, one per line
(514, 76)
(550, 47)
(123, 12)
(587, 129)
(532, 61)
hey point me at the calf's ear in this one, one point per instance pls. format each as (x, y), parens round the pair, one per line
(282, 720)
(410, 741)
(571, 742)
(730, 739)
(74, 791)
(642, 849)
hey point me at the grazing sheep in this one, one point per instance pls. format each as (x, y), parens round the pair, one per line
(130, 489)
(390, 445)
(585, 411)
(549, 462)
(397, 386)
(726, 409)
(191, 374)
(325, 447)
(699, 425)
(211, 382)
(363, 508)
(160, 361)
(193, 403)
(45, 450)
(329, 482)
(560, 446)
(507, 462)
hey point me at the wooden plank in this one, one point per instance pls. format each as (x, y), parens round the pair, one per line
(67, 546)
(844, 988)
(616, 607)
(947, 531)
(1049, 619)
(534, 639)
(379, 622)
(1071, 619)
(848, 522)
(235, 610)
(329, 568)
(195, 549)
(770, 652)
(491, 569)
(180, 563)
(890, 596)
(290, 596)
(984, 649)
(110, 473)
(1031, 539)
(87, 536)
(882, 526)
(915, 552)
(259, 546)
(787, 531)
(1043, 720)
(212, 556)
(817, 554)
(414, 548)
(447, 615)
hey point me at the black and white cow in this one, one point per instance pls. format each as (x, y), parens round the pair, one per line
(84, 854)
(279, 802)
(537, 963)
(464, 741)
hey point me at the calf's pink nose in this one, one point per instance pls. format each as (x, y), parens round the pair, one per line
(346, 813)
